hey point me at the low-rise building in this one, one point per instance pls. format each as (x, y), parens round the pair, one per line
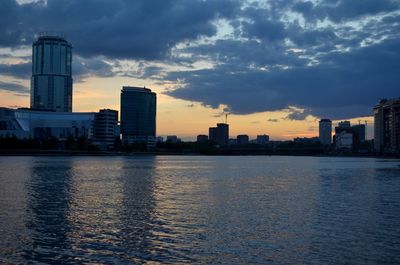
(262, 139)
(202, 138)
(173, 139)
(34, 124)
(344, 141)
(242, 139)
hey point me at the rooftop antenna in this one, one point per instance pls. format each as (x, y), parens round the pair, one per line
(226, 118)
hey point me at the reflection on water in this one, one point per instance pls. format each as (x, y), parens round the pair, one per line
(230, 210)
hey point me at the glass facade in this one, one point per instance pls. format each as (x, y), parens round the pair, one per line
(51, 83)
(138, 114)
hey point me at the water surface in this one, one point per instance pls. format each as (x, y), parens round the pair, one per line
(202, 210)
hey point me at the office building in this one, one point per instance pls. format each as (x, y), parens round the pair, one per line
(173, 139)
(31, 124)
(222, 133)
(325, 131)
(242, 139)
(306, 140)
(212, 134)
(343, 133)
(262, 139)
(219, 134)
(344, 141)
(202, 138)
(51, 82)
(105, 128)
(359, 132)
(138, 115)
(387, 126)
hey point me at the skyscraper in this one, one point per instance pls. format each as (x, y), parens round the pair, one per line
(212, 134)
(51, 82)
(222, 133)
(138, 115)
(387, 126)
(325, 131)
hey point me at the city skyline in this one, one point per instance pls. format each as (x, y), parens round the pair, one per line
(233, 57)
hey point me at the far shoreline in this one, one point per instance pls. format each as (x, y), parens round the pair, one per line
(60, 153)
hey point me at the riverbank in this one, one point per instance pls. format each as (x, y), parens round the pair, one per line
(150, 153)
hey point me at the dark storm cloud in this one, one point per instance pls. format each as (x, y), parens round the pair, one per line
(21, 70)
(342, 85)
(116, 29)
(272, 59)
(14, 87)
(82, 68)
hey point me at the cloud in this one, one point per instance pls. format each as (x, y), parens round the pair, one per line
(14, 87)
(341, 85)
(145, 29)
(296, 114)
(333, 58)
(20, 70)
(83, 68)
(343, 10)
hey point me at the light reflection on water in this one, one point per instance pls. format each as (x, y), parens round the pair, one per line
(177, 209)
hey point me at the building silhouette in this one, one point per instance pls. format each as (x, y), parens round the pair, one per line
(212, 134)
(173, 139)
(242, 139)
(262, 139)
(222, 133)
(51, 82)
(202, 138)
(138, 115)
(359, 130)
(219, 134)
(387, 126)
(325, 131)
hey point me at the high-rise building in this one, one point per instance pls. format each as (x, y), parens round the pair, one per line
(105, 128)
(222, 133)
(212, 134)
(219, 134)
(51, 82)
(387, 126)
(138, 115)
(325, 131)
(359, 132)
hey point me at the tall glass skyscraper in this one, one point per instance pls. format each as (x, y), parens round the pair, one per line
(325, 131)
(138, 115)
(51, 82)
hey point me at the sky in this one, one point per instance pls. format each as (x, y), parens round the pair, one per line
(276, 67)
